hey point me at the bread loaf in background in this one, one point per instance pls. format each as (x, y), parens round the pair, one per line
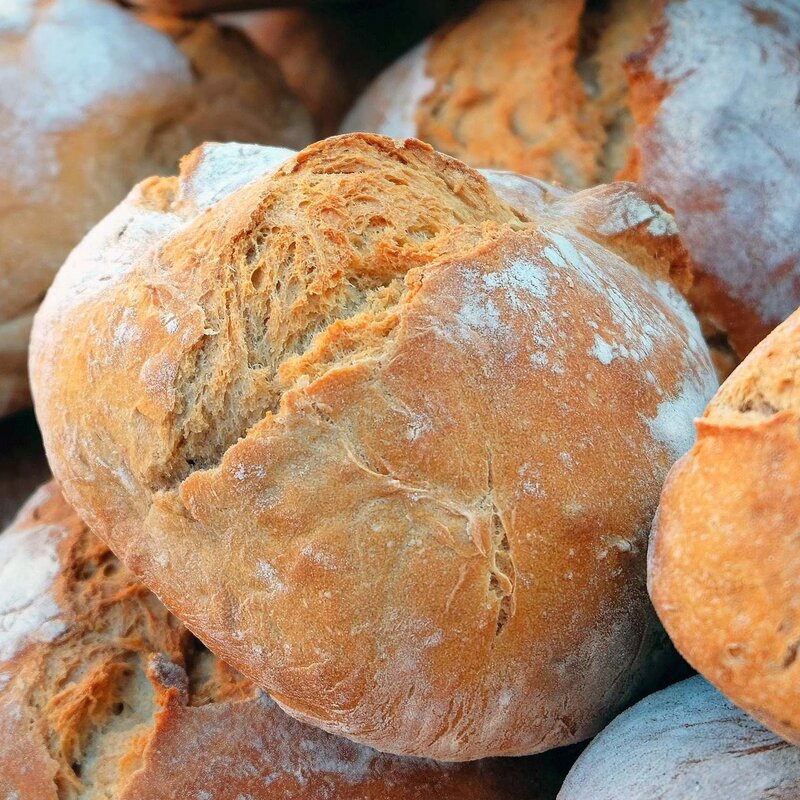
(103, 693)
(687, 742)
(724, 569)
(328, 53)
(386, 442)
(92, 100)
(696, 99)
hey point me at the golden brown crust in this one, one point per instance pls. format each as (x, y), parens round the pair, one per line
(724, 557)
(563, 117)
(573, 115)
(490, 115)
(118, 700)
(333, 419)
(91, 101)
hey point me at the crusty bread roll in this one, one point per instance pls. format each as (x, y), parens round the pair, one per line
(103, 693)
(387, 443)
(693, 98)
(687, 742)
(724, 566)
(92, 100)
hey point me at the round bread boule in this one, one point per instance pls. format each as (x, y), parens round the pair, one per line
(687, 742)
(92, 100)
(388, 444)
(724, 568)
(103, 693)
(695, 99)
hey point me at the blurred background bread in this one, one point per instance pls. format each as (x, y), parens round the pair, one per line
(365, 386)
(724, 569)
(694, 98)
(687, 742)
(93, 99)
(103, 693)
(328, 53)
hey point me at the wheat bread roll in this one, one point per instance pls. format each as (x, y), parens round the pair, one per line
(687, 742)
(103, 693)
(696, 99)
(724, 554)
(92, 100)
(395, 441)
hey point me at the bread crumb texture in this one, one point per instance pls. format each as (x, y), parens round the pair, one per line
(696, 99)
(104, 694)
(724, 558)
(386, 434)
(93, 99)
(685, 741)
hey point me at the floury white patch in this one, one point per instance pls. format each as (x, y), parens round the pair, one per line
(29, 565)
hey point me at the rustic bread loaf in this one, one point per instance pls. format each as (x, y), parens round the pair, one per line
(724, 554)
(388, 443)
(92, 100)
(687, 742)
(103, 693)
(585, 92)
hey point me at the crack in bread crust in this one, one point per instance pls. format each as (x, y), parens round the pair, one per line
(293, 297)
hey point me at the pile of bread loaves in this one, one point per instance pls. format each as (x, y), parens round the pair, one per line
(380, 457)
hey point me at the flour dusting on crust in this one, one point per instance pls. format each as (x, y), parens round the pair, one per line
(114, 246)
(685, 741)
(722, 147)
(400, 88)
(220, 169)
(29, 565)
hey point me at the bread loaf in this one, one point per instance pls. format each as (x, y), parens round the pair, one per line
(687, 742)
(387, 442)
(92, 100)
(103, 693)
(724, 556)
(585, 92)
